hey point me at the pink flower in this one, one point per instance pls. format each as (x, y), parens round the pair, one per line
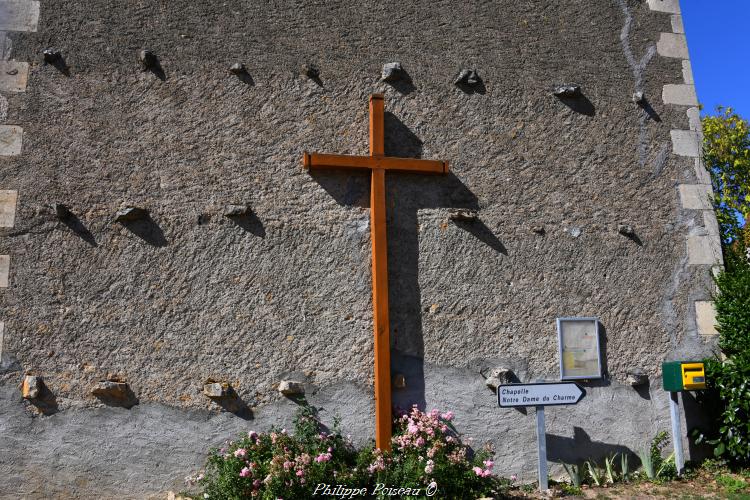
(240, 452)
(412, 428)
(435, 413)
(489, 464)
(323, 457)
(300, 473)
(256, 484)
(448, 415)
(420, 441)
(245, 472)
(288, 465)
(430, 465)
(477, 470)
(330, 449)
(513, 477)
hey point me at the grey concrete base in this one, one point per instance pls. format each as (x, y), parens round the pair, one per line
(147, 450)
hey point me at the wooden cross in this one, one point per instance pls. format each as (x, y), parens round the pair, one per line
(378, 164)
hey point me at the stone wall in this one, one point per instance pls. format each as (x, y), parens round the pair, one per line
(188, 294)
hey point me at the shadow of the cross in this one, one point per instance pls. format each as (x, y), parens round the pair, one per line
(406, 195)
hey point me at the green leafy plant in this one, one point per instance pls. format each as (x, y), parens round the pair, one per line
(654, 466)
(727, 398)
(575, 473)
(595, 473)
(667, 469)
(726, 154)
(570, 489)
(624, 467)
(647, 463)
(609, 467)
(731, 484)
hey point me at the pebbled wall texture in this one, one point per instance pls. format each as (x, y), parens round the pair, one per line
(190, 295)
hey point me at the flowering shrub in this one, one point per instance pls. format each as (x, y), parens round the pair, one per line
(428, 457)
(428, 450)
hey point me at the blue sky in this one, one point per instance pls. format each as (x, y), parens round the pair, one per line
(718, 35)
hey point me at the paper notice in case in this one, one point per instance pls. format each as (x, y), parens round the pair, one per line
(579, 348)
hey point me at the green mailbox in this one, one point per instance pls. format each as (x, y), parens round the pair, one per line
(679, 376)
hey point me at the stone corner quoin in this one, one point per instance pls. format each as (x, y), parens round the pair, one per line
(703, 249)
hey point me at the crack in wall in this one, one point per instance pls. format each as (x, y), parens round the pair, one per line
(637, 67)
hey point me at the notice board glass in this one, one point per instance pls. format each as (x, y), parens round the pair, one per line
(580, 357)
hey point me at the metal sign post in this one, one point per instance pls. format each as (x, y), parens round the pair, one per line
(541, 441)
(674, 413)
(540, 395)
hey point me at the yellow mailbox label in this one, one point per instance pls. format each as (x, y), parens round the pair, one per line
(693, 376)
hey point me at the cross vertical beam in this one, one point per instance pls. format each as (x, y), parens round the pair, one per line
(378, 163)
(380, 315)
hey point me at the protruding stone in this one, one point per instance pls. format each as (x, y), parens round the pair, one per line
(114, 392)
(215, 390)
(467, 77)
(462, 215)
(636, 377)
(237, 68)
(291, 388)
(639, 97)
(311, 71)
(499, 376)
(31, 387)
(625, 230)
(399, 381)
(147, 59)
(51, 55)
(568, 90)
(575, 232)
(392, 72)
(539, 230)
(61, 211)
(237, 211)
(130, 214)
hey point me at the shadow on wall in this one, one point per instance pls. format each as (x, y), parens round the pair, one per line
(406, 194)
(148, 230)
(45, 402)
(604, 381)
(580, 447)
(580, 104)
(250, 223)
(697, 416)
(74, 224)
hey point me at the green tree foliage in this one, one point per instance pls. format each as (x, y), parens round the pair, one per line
(726, 152)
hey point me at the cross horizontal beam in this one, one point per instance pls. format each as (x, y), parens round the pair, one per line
(315, 161)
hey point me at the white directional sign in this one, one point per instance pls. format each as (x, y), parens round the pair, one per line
(542, 394)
